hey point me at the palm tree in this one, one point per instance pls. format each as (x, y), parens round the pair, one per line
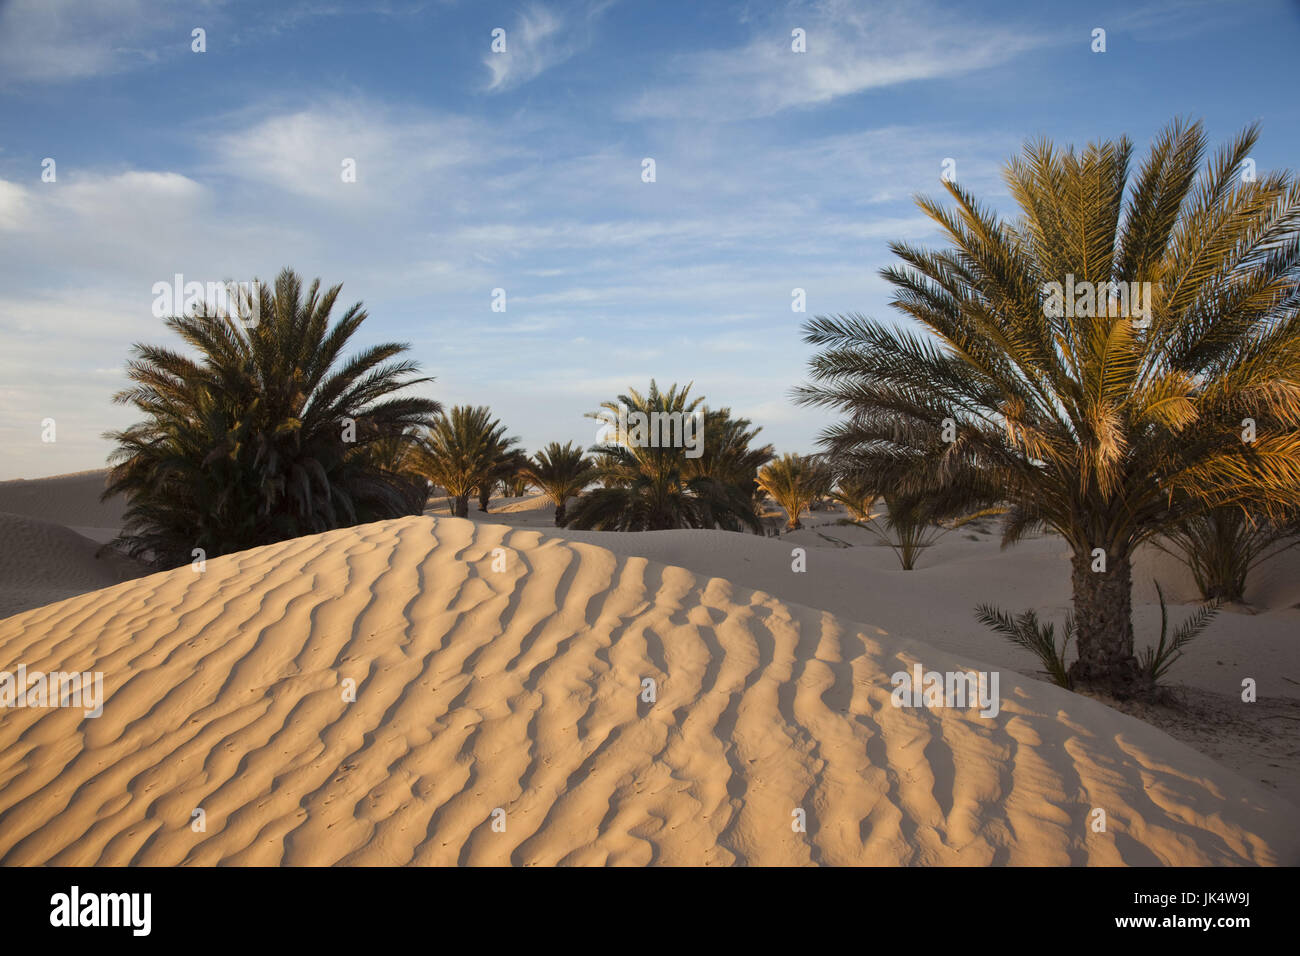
(1222, 546)
(652, 483)
(560, 472)
(855, 495)
(509, 461)
(517, 484)
(1108, 422)
(461, 451)
(729, 455)
(399, 455)
(267, 433)
(925, 496)
(793, 482)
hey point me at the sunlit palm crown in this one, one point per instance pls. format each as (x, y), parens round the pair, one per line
(1104, 427)
(794, 481)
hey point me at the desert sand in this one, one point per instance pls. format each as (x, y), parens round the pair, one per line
(498, 679)
(52, 531)
(70, 500)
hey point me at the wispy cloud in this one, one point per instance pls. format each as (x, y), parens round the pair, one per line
(54, 40)
(541, 37)
(850, 48)
(68, 40)
(14, 205)
(396, 157)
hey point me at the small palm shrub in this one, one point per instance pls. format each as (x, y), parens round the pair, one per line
(855, 495)
(1025, 630)
(793, 481)
(1157, 660)
(1222, 546)
(560, 472)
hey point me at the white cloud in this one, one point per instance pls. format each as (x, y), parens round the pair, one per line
(109, 224)
(107, 197)
(396, 154)
(14, 205)
(52, 366)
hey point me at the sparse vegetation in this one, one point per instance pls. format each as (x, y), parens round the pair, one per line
(1157, 660)
(1026, 631)
(1222, 546)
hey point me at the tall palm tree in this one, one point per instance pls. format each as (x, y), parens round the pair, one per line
(1107, 424)
(560, 472)
(461, 451)
(650, 485)
(794, 481)
(267, 433)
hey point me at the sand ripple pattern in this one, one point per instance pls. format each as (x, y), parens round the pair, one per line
(519, 689)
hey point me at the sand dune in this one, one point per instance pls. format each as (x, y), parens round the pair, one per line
(42, 562)
(518, 689)
(70, 500)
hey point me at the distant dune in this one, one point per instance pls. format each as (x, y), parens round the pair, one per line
(42, 562)
(70, 500)
(513, 695)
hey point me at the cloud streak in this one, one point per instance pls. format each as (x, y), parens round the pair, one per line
(61, 40)
(850, 48)
(541, 38)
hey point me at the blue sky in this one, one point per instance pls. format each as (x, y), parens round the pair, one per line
(522, 171)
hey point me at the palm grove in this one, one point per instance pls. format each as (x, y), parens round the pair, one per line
(1181, 427)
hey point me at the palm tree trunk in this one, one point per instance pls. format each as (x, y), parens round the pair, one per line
(462, 506)
(484, 496)
(1103, 610)
(559, 515)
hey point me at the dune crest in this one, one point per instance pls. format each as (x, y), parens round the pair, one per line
(499, 669)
